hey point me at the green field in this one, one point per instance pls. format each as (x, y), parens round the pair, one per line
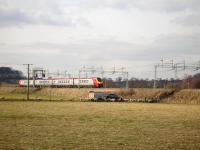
(87, 125)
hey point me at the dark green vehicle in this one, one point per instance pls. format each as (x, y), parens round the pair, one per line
(104, 96)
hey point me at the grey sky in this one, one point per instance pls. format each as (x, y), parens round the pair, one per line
(68, 34)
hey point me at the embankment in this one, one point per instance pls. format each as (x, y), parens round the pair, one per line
(133, 95)
(185, 96)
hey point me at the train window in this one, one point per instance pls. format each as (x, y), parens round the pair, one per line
(99, 79)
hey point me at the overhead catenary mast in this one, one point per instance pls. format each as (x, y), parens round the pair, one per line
(175, 67)
(28, 73)
(103, 71)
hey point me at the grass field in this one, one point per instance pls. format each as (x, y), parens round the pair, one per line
(87, 125)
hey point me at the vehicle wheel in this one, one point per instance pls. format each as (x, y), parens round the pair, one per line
(113, 100)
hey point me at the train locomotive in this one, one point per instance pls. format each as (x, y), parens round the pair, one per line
(94, 82)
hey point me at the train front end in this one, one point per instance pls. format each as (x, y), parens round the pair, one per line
(98, 83)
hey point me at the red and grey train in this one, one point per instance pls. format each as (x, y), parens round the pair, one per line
(95, 82)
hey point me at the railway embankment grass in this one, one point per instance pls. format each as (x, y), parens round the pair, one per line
(186, 96)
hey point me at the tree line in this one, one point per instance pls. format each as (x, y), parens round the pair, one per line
(190, 82)
(9, 75)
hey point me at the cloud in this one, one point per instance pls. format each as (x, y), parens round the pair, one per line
(46, 13)
(12, 17)
(73, 13)
(107, 53)
(103, 51)
(99, 33)
(168, 6)
(189, 20)
(173, 46)
(144, 5)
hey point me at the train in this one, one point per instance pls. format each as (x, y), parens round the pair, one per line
(94, 82)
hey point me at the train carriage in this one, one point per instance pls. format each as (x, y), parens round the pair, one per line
(62, 82)
(65, 82)
(42, 82)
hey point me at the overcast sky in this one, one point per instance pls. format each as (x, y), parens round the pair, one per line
(69, 34)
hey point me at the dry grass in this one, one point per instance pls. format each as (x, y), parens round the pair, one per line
(78, 125)
(11, 89)
(67, 93)
(186, 96)
(74, 94)
(142, 93)
(126, 93)
(18, 90)
(70, 92)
